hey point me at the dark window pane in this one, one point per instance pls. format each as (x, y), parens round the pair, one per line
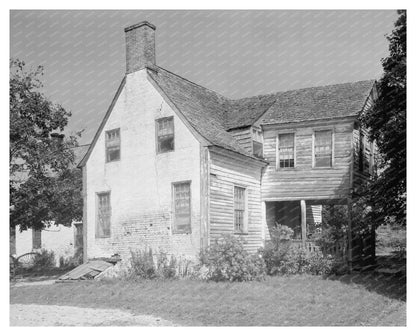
(113, 154)
(322, 161)
(258, 149)
(166, 144)
(112, 145)
(165, 135)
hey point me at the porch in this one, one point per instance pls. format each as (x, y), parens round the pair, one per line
(306, 219)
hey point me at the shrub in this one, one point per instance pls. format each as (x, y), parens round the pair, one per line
(281, 257)
(166, 268)
(275, 250)
(320, 264)
(142, 265)
(44, 260)
(227, 260)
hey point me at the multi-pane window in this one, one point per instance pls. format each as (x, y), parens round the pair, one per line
(165, 135)
(257, 143)
(182, 206)
(103, 215)
(287, 150)
(239, 209)
(36, 239)
(112, 145)
(323, 148)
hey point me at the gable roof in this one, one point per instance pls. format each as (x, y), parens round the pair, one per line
(102, 124)
(322, 102)
(204, 109)
(246, 111)
(212, 115)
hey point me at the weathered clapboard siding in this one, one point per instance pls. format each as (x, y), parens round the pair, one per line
(362, 171)
(225, 173)
(244, 138)
(304, 181)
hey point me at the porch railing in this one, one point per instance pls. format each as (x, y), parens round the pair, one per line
(338, 249)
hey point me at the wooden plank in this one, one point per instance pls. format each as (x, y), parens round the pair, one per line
(303, 221)
(349, 234)
(204, 185)
(84, 214)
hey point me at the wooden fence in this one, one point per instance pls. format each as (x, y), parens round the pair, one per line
(339, 249)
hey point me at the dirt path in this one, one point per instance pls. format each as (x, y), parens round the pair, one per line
(48, 315)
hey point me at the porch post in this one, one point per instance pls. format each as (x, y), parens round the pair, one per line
(303, 221)
(349, 232)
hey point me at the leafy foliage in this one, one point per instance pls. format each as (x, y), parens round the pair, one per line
(281, 257)
(44, 186)
(44, 260)
(386, 123)
(142, 265)
(277, 248)
(227, 260)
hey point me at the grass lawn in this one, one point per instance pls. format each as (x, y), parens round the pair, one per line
(278, 301)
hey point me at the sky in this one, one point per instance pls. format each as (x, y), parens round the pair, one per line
(235, 53)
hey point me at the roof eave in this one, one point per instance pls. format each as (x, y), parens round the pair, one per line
(255, 159)
(100, 128)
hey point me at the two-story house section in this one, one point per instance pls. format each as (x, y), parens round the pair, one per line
(174, 165)
(311, 138)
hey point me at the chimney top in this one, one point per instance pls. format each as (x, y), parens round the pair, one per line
(137, 25)
(140, 46)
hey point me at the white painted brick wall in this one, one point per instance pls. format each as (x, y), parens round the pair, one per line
(141, 182)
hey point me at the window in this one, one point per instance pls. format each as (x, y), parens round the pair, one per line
(103, 215)
(323, 149)
(182, 206)
(257, 149)
(239, 209)
(112, 145)
(257, 143)
(165, 135)
(36, 239)
(286, 150)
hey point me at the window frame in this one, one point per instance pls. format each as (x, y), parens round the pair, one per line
(244, 231)
(97, 213)
(257, 137)
(157, 133)
(107, 147)
(278, 152)
(325, 129)
(175, 229)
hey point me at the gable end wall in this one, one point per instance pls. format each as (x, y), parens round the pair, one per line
(141, 182)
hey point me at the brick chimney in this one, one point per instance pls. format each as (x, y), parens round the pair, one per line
(140, 46)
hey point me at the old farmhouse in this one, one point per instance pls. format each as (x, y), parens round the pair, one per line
(175, 165)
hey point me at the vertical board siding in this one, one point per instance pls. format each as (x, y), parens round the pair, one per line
(304, 181)
(225, 173)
